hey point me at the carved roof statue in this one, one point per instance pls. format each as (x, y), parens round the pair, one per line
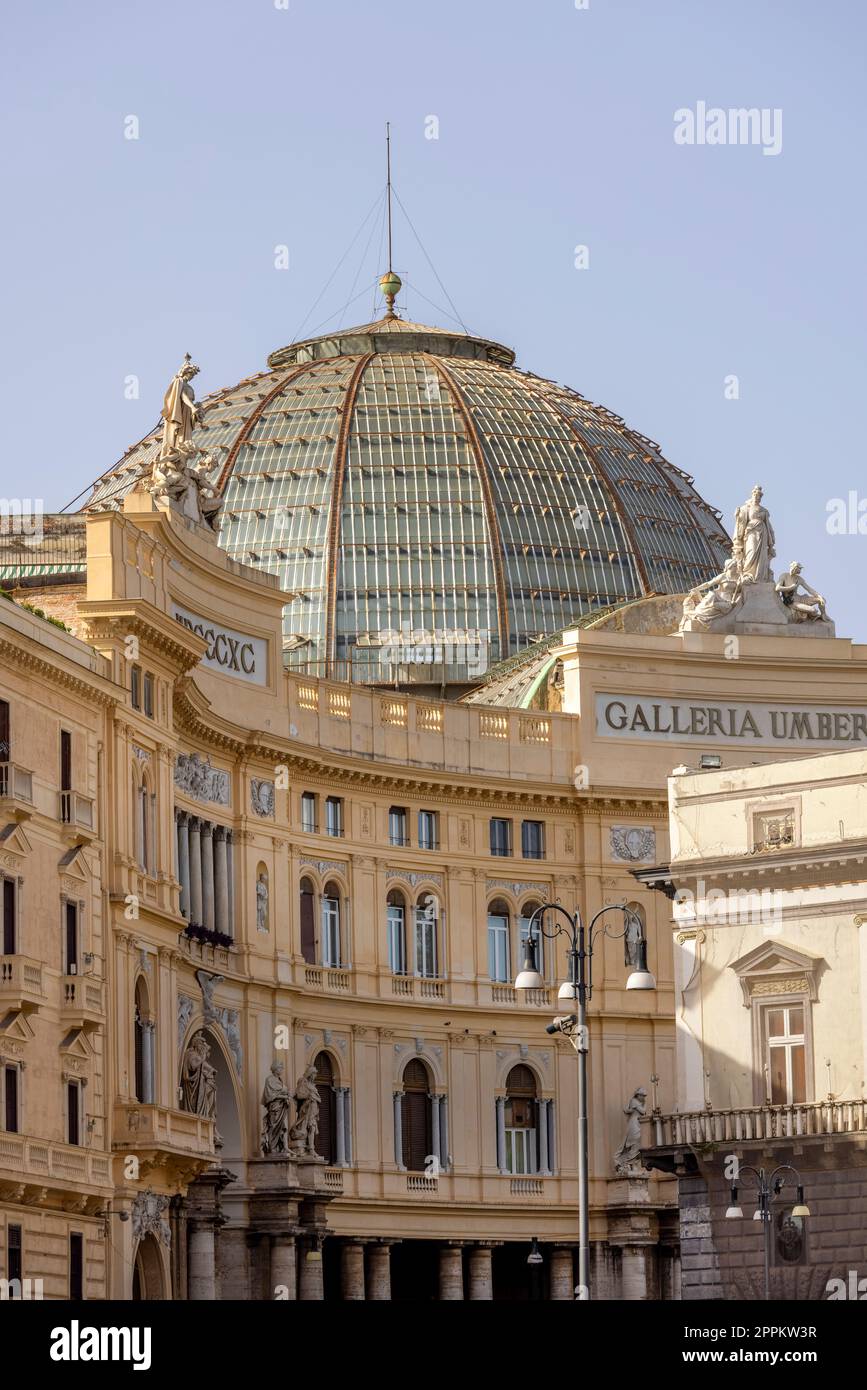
(743, 597)
(181, 471)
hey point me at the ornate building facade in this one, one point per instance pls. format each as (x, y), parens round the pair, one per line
(770, 952)
(260, 1036)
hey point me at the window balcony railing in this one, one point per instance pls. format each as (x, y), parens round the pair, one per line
(399, 841)
(21, 984)
(81, 1001)
(699, 1128)
(328, 977)
(46, 1163)
(532, 998)
(76, 809)
(429, 844)
(16, 783)
(526, 1187)
(528, 853)
(138, 1125)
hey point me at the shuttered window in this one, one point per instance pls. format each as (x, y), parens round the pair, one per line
(326, 1138)
(416, 1117)
(308, 923)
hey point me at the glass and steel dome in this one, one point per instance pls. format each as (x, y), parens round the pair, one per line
(410, 486)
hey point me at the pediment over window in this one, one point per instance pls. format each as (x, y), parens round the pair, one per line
(777, 968)
(75, 1044)
(73, 865)
(14, 1028)
(13, 841)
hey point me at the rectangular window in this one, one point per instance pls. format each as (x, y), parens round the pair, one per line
(135, 687)
(501, 837)
(308, 812)
(520, 1151)
(425, 943)
(334, 815)
(73, 1121)
(149, 695)
(498, 947)
(330, 931)
(533, 839)
(14, 1260)
(70, 938)
(5, 732)
(10, 1099)
(65, 776)
(427, 830)
(787, 1058)
(397, 826)
(76, 1265)
(396, 940)
(10, 924)
(308, 927)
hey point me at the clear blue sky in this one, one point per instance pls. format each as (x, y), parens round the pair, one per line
(261, 126)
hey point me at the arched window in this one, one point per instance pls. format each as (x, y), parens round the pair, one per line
(331, 925)
(326, 1137)
(396, 929)
(427, 914)
(416, 1127)
(523, 929)
(522, 1151)
(636, 931)
(499, 955)
(143, 1047)
(308, 921)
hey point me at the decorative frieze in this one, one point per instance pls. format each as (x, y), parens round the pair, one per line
(517, 887)
(149, 1217)
(631, 843)
(261, 797)
(324, 866)
(412, 878)
(196, 777)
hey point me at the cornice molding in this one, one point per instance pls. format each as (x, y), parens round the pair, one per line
(56, 674)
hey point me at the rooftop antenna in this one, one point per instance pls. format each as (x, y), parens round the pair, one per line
(389, 283)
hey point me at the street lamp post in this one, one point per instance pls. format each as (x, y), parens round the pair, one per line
(768, 1186)
(579, 986)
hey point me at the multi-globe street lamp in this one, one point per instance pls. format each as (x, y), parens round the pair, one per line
(579, 986)
(768, 1186)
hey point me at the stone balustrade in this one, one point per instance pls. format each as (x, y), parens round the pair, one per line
(699, 1128)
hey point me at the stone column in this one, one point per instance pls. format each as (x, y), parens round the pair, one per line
(481, 1276)
(207, 874)
(501, 1133)
(310, 1285)
(562, 1275)
(398, 1129)
(347, 1123)
(435, 1125)
(379, 1272)
(202, 1280)
(444, 1132)
(147, 1059)
(340, 1113)
(230, 880)
(633, 1276)
(552, 1137)
(195, 861)
(352, 1271)
(184, 861)
(221, 880)
(542, 1127)
(284, 1273)
(451, 1274)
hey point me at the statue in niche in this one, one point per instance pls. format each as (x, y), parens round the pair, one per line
(715, 598)
(306, 1126)
(276, 1100)
(199, 1080)
(753, 547)
(262, 901)
(632, 939)
(807, 607)
(626, 1158)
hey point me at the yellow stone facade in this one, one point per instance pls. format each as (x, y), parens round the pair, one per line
(171, 1204)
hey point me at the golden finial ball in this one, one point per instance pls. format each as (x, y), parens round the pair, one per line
(390, 284)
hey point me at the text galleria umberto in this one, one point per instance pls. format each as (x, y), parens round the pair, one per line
(354, 667)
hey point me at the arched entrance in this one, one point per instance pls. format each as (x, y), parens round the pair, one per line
(148, 1274)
